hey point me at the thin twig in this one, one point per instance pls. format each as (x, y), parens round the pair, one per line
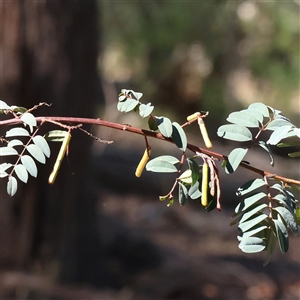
(148, 133)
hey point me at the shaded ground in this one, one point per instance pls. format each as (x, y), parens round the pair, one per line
(155, 252)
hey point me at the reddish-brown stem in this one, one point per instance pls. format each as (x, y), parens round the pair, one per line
(148, 133)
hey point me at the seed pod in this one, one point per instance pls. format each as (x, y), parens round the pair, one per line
(143, 162)
(204, 185)
(60, 157)
(204, 133)
(193, 116)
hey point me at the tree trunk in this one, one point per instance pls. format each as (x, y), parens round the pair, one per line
(49, 53)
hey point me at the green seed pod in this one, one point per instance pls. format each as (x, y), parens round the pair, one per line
(204, 133)
(59, 158)
(204, 185)
(193, 116)
(143, 162)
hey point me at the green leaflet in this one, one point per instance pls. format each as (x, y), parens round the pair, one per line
(279, 134)
(256, 114)
(152, 124)
(255, 209)
(186, 177)
(288, 218)
(194, 191)
(243, 118)
(42, 144)
(178, 136)
(37, 153)
(145, 110)
(29, 120)
(21, 172)
(7, 151)
(12, 186)
(282, 235)
(165, 126)
(55, 135)
(14, 143)
(235, 133)
(182, 193)
(245, 226)
(127, 105)
(250, 186)
(267, 148)
(247, 202)
(234, 159)
(162, 164)
(29, 164)
(193, 166)
(252, 244)
(277, 123)
(17, 131)
(252, 232)
(260, 108)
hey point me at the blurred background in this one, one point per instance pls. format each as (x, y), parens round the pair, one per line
(99, 232)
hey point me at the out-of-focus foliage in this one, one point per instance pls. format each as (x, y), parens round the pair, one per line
(198, 54)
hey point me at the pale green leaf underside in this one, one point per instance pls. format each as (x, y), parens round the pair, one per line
(235, 132)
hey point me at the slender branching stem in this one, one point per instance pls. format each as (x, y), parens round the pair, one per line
(145, 133)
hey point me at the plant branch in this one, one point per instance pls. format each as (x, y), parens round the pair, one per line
(148, 133)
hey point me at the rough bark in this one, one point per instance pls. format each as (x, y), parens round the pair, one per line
(49, 53)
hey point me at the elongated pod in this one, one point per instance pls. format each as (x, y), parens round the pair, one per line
(59, 158)
(193, 116)
(143, 162)
(204, 185)
(204, 133)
